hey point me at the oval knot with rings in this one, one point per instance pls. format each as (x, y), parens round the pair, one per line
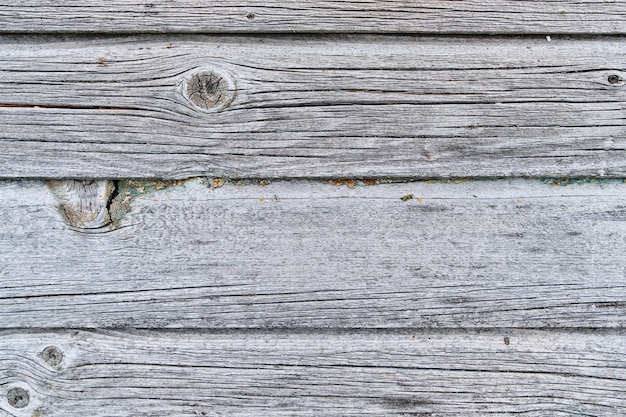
(52, 356)
(18, 397)
(210, 89)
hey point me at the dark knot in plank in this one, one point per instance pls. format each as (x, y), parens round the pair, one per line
(53, 356)
(18, 397)
(210, 89)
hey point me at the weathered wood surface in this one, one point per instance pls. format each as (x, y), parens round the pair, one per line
(287, 16)
(83, 204)
(145, 373)
(312, 107)
(517, 253)
(282, 298)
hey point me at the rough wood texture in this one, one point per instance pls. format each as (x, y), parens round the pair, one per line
(288, 16)
(314, 255)
(279, 298)
(312, 107)
(83, 204)
(502, 373)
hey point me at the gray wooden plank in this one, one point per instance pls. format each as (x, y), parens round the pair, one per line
(312, 107)
(287, 16)
(505, 373)
(510, 253)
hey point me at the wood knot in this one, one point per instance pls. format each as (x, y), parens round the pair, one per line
(210, 89)
(18, 397)
(52, 355)
(614, 79)
(84, 204)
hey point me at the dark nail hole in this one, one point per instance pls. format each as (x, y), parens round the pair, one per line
(613, 79)
(250, 16)
(52, 356)
(18, 397)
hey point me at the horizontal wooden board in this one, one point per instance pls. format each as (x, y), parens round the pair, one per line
(312, 107)
(517, 253)
(503, 373)
(287, 16)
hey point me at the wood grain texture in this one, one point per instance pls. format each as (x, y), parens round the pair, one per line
(314, 255)
(83, 204)
(287, 16)
(137, 373)
(312, 107)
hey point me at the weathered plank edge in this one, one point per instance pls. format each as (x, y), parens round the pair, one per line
(288, 16)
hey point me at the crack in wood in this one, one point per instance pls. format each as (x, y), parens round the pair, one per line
(61, 107)
(99, 206)
(84, 204)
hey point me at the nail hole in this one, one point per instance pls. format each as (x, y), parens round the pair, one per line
(52, 356)
(613, 79)
(18, 397)
(250, 16)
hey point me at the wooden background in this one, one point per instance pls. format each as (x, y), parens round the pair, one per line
(312, 208)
